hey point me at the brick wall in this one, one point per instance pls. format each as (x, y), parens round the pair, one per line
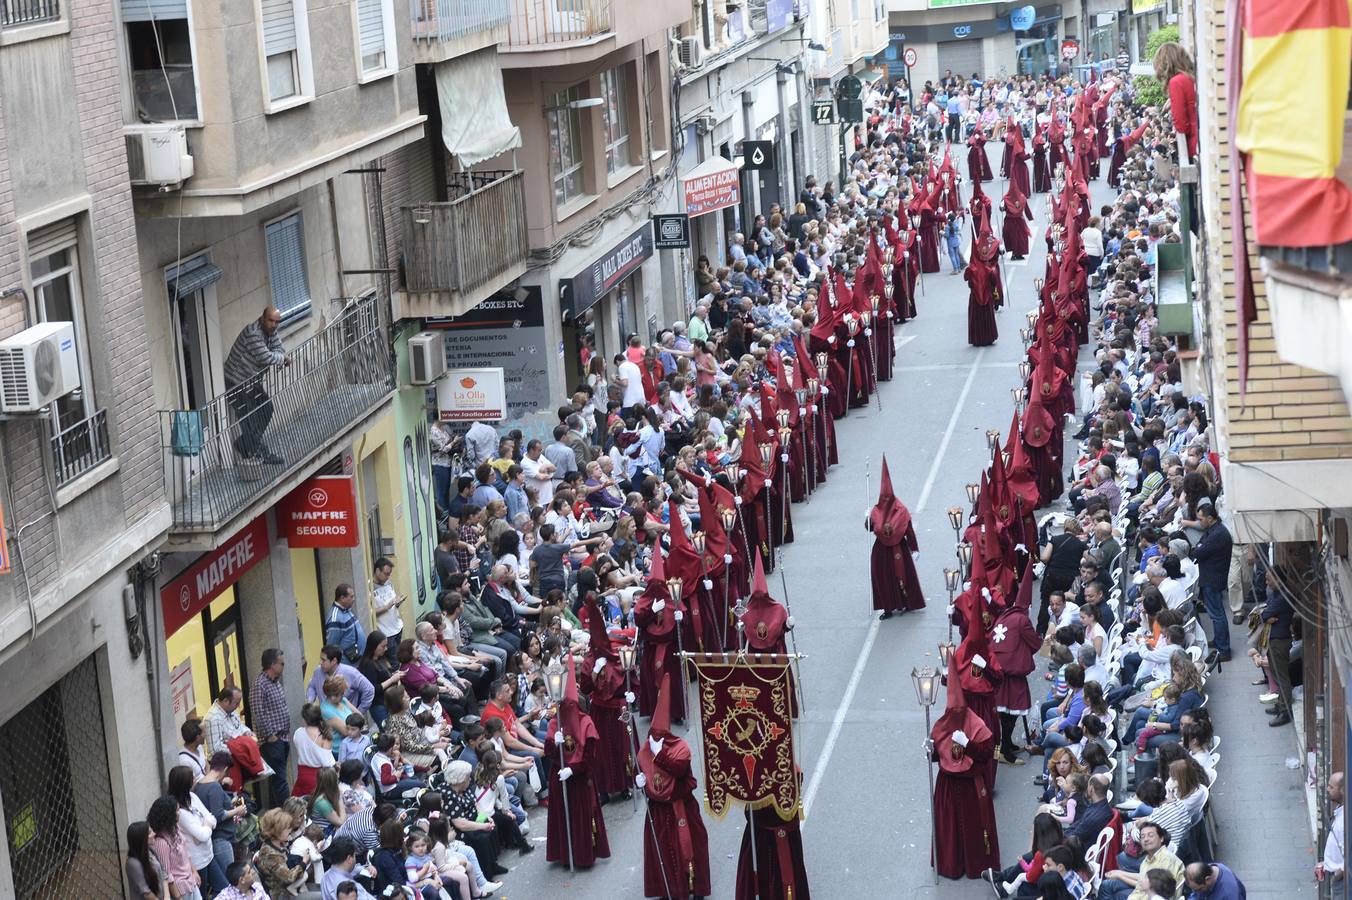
(120, 311)
(1289, 412)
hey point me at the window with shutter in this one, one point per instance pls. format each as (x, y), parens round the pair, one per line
(371, 35)
(280, 48)
(286, 265)
(160, 56)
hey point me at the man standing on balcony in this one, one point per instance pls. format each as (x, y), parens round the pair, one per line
(256, 349)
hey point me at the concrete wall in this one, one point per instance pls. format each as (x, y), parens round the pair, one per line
(240, 141)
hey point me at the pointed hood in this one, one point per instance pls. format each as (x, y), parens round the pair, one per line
(1014, 198)
(660, 726)
(683, 562)
(1014, 640)
(889, 518)
(953, 755)
(578, 728)
(977, 670)
(713, 499)
(663, 623)
(1001, 495)
(765, 618)
(599, 646)
(1038, 423)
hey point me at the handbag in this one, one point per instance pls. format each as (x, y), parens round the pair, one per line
(185, 432)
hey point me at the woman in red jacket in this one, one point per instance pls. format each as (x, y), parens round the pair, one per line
(1173, 68)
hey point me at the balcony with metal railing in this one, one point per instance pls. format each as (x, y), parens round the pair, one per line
(16, 13)
(541, 24)
(227, 454)
(443, 29)
(80, 448)
(460, 252)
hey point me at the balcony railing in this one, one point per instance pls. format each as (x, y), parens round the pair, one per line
(465, 242)
(221, 457)
(28, 12)
(445, 20)
(537, 23)
(80, 448)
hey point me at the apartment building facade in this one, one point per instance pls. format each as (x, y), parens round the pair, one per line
(1277, 379)
(82, 496)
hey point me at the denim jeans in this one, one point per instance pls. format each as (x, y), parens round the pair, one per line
(1112, 889)
(441, 491)
(275, 754)
(1217, 609)
(225, 852)
(955, 256)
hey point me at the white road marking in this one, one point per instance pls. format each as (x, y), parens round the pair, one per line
(824, 759)
(903, 341)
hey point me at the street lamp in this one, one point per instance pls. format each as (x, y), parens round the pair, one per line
(926, 681)
(556, 681)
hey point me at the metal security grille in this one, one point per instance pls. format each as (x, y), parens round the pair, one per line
(58, 796)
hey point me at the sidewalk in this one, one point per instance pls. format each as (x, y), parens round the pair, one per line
(1260, 805)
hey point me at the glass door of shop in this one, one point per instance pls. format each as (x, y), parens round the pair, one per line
(204, 656)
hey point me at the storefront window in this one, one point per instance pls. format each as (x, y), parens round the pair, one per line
(1037, 49)
(204, 656)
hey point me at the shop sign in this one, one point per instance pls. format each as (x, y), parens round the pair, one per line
(1070, 49)
(506, 330)
(465, 395)
(713, 185)
(1022, 18)
(181, 691)
(580, 293)
(320, 512)
(757, 155)
(942, 4)
(209, 577)
(1145, 6)
(672, 231)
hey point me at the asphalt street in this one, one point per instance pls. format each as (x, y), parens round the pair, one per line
(858, 741)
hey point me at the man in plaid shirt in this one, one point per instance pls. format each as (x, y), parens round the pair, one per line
(267, 699)
(222, 722)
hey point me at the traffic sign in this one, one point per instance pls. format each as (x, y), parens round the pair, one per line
(850, 88)
(823, 112)
(1070, 49)
(758, 155)
(850, 110)
(909, 57)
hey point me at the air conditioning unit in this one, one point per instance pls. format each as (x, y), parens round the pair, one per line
(692, 51)
(426, 357)
(157, 154)
(37, 366)
(705, 124)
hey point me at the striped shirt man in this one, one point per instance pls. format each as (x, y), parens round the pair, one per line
(254, 351)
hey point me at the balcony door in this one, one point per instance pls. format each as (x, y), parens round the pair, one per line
(193, 303)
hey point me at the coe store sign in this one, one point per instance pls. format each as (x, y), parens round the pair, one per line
(209, 577)
(320, 512)
(464, 395)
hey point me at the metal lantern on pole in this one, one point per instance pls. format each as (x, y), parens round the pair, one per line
(556, 683)
(965, 554)
(767, 451)
(823, 360)
(955, 520)
(952, 581)
(946, 650)
(697, 541)
(782, 417)
(926, 681)
(974, 489)
(1017, 394)
(993, 438)
(1025, 370)
(675, 585)
(728, 516)
(1023, 336)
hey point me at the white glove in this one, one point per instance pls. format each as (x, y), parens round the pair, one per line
(600, 664)
(727, 559)
(831, 339)
(789, 621)
(850, 342)
(1021, 547)
(783, 457)
(769, 483)
(868, 332)
(558, 737)
(708, 584)
(979, 661)
(629, 697)
(951, 609)
(966, 586)
(640, 780)
(659, 605)
(655, 745)
(889, 314)
(737, 499)
(680, 616)
(802, 410)
(986, 593)
(959, 737)
(825, 390)
(565, 773)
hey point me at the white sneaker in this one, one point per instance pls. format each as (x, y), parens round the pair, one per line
(1267, 699)
(525, 827)
(490, 888)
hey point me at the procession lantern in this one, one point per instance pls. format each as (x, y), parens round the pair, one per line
(874, 299)
(974, 489)
(785, 434)
(1025, 368)
(782, 417)
(952, 580)
(729, 517)
(926, 680)
(865, 316)
(801, 394)
(556, 680)
(697, 541)
(946, 649)
(823, 359)
(767, 451)
(955, 517)
(813, 384)
(1017, 394)
(993, 438)
(628, 653)
(675, 584)
(965, 553)
(1038, 283)
(1023, 336)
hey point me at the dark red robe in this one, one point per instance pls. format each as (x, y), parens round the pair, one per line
(966, 840)
(1015, 233)
(580, 817)
(984, 280)
(1042, 173)
(930, 239)
(978, 165)
(779, 873)
(676, 844)
(896, 584)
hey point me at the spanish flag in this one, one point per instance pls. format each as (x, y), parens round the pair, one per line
(1289, 124)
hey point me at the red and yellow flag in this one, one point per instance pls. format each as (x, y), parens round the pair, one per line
(1290, 119)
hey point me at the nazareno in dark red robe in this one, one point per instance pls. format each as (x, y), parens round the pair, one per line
(780, 873)
(966, 841)
(983, 279)
(1014, 232)
(675, 844)
(896, 583)
(582, 819)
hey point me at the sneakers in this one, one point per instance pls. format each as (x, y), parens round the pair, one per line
(489, 888)
(1280, 719)
(1266, 699)
(991, 877)
(1015, 761)
(1040, 780)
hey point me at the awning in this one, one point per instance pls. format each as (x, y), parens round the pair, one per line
(474, 120)
(712, 185)
(192, 276)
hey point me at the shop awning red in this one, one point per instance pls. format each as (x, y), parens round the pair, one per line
(712, 185)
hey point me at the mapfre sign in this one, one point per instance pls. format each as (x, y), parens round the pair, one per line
(213, 574)
(320, 512)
